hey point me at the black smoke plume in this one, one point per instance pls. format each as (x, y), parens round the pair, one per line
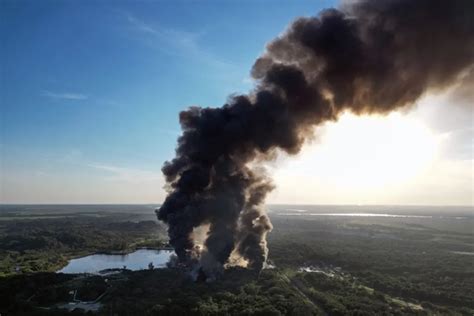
(365, 57)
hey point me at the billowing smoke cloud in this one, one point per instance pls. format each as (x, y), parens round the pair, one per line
(365, 57)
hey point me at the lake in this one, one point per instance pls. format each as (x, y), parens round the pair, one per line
(137, 260)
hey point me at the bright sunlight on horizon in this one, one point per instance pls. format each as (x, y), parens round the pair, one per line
(377, 159)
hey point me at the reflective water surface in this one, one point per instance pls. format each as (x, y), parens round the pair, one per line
(137, 260)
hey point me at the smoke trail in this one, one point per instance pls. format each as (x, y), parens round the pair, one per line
(365, 57)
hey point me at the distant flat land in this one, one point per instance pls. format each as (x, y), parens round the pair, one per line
(324, 260)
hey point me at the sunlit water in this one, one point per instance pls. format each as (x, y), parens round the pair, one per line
(303, 213)
(466, 253)
(137, 260)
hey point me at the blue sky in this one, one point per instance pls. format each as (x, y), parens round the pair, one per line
(91, 91)
(93, 83)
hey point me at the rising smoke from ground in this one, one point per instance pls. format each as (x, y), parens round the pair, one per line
(365, 57)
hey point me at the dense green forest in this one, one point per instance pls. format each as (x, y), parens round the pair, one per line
(45, 243)
(319, 265)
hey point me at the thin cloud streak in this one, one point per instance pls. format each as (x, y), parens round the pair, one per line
(178, 42)
(64, 95)
(128, 174)
(68, 96)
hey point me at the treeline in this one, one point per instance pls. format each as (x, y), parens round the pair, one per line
(341, 297)
(157, 292)
(237, 292)
(408, 261)
(46, 244)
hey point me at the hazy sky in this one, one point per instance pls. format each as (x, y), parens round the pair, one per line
(90, 96)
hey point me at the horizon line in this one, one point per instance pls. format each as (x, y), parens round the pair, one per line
(303, 204)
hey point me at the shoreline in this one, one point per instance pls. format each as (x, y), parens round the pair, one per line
(126, 252)
(108, 253)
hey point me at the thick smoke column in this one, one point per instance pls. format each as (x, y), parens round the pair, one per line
(366, 57)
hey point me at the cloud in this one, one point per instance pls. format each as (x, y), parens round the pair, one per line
(73, 155)
(69, 96)
(128, 174)
(450, 113)
(64, 95)
(248, 80)
(173, 36)
(177, 42)
(142, 26)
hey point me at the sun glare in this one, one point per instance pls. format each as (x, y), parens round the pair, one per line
(366, 152)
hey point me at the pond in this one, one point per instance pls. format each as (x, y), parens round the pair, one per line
(137, 260)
